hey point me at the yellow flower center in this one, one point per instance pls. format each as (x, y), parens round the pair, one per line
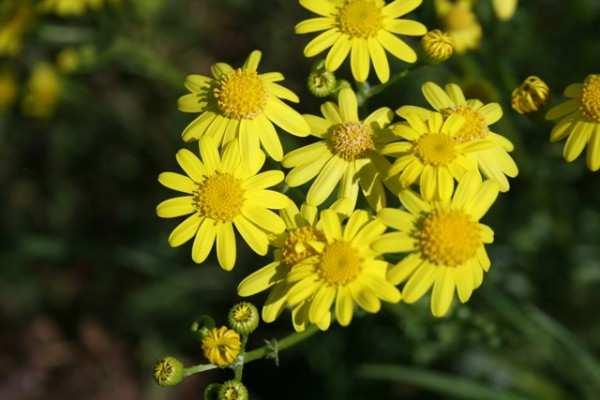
(340, 263)
(242, 313)
(351, 140)
(475, 126)
(360, 18)
(241, 94)
(297, 246)
(590, 98)
(231, 394)
(219, 197)
(459, 18)
(448, 238)
(436, 149)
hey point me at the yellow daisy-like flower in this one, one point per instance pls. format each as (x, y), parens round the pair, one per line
(579, 121)
(363, 28)
(494, 162)
(461, 23)
(505, 9)
(222, 191)
(69, 8)
(241, 104)
(42, 92)
(221, 346)
(430, 152)
(444, 242)
(13, 26)
(345, 155)
(343, 271)
(300, 240)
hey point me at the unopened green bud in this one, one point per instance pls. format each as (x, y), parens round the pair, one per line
(321, 82)
(233, 390)
(168, 371)
(212, 391)
(243, 318)
(201, 327)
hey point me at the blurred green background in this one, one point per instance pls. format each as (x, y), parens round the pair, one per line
(91, 294)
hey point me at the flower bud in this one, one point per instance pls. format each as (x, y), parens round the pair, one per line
(532, 95)
(168, 371)
(438, 46)
(211, 392)
(68, 60)
(321, 82)
(243, 318)
(233, 390)
(221, 346)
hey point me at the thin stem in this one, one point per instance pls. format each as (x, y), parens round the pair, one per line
(197, 369)
(375, 90)
(257, 354)
(288, 341)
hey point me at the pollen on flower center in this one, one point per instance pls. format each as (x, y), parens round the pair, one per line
(351, 140)
(360, 18)
(241, 94)
(340, 263)
(590, 98)
(219, 197)
(475, 126)
(448, 238)
(297, 245)
(436, 149)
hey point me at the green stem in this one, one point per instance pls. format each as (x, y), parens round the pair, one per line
(375, 90)
(239, 369)
(197, 369)
(257, 354)
(288, 341)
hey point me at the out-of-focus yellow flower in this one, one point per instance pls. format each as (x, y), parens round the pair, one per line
(222, 191)
(444, 242)
(221, 346)
(532, 95)
(505, 9)
(68, 60)
(8, 89)
(339, 273)
(579, 120)
(438, 45)
(42, 91)
(69, 8)
(461, 23)
(363, 29)
(13, 26)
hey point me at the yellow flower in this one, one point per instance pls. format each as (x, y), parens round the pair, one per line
(221, 346)
(222, 191)
(8, 89)
(346, 154)
(444, 242)
(364, 29)
(68, 8)
(300, 240)
(438, 46)
(430, 152)
(338, 273)
(579, 120)
(530, 96)
(241, 104)
(461, 24)
(495, 162)
(505, 9)
(68, 60)
(13, 26)
(42, 91)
